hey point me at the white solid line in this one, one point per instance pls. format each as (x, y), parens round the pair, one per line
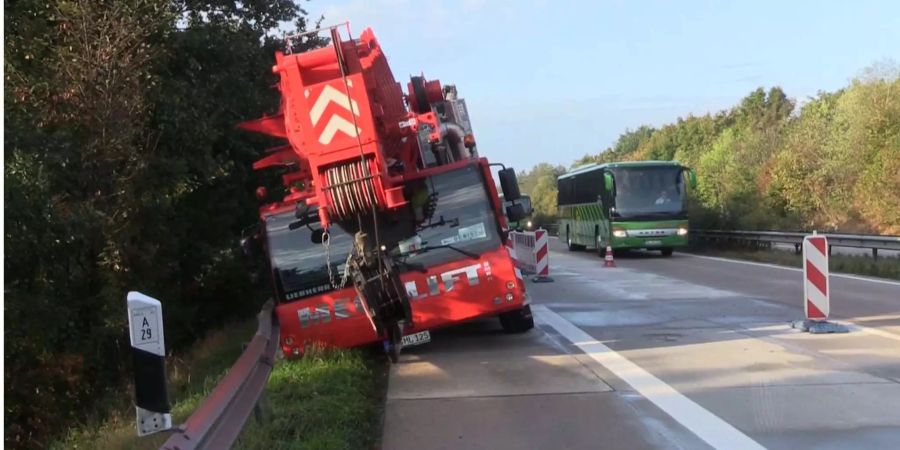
(706, 425)
(775, 266)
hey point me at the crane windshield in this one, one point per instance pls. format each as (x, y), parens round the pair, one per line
(454, 212)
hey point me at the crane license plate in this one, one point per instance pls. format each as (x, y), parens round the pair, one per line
(416, 338)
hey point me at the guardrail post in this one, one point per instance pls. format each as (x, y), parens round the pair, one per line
(261, 410)
(875, 254)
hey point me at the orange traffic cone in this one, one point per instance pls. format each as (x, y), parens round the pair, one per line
(608, 260)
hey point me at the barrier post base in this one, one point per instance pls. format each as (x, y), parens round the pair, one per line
(819, 326)
(542, 280)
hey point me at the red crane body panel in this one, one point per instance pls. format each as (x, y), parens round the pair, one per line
(344, 115)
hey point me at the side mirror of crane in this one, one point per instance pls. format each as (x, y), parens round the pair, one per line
(250, 241)
(317, 236)
(509, 184)
(515, 212)
(247, 246)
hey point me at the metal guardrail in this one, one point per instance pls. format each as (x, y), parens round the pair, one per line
(219, 420)
(874, 242)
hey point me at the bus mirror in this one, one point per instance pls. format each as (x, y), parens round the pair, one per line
(317, 236)
(526, 208)
(509, 184)
(515, 213)
(608, 181)
(525, 201)
(692, 178)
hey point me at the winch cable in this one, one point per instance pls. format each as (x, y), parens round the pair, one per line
(367, 176)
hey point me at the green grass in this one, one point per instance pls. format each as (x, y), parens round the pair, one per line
(859, 265)
(330, 399)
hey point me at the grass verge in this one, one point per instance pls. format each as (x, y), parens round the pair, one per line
(859, 265)
(330, 399)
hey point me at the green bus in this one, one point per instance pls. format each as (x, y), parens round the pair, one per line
(626, 205)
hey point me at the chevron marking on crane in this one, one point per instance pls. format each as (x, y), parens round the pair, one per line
(335, 124)
(331, 95)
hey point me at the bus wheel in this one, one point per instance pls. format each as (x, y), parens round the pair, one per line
(518, 321)
(666, 251)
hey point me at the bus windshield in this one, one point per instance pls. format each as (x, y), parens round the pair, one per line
(649, 192)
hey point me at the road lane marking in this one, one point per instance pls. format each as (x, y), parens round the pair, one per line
(870, 330)
(796, 269)
(704, 424)
(876, 318)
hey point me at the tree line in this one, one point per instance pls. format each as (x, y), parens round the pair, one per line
(768, 164)
(124, 171)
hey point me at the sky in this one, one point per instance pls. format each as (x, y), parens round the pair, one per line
(551, 81)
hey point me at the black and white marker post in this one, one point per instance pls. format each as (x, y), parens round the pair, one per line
(149, 349)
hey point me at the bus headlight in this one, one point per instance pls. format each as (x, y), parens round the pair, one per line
(620, 233)
(682, 231)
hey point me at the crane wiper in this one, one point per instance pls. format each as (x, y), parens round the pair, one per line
(451, 247)
(422, 247)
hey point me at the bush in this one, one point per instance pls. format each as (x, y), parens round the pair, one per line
(124, 171)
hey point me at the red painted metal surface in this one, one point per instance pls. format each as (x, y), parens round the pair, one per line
(341, 105)
(460, 291)
(352, 134)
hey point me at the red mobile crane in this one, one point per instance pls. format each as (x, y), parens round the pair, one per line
(391, 223)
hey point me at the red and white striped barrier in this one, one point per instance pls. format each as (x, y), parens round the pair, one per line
(531, 252)
(542, 252)
(511, 249)
(816, 287)
(524, 250)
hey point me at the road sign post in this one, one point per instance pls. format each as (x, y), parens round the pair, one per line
(816, 285)
(148, 347)
(817, 288)
(542, 256)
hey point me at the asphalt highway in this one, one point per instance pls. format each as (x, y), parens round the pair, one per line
(678, 352)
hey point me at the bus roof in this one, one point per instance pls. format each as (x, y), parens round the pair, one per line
(593, 167)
